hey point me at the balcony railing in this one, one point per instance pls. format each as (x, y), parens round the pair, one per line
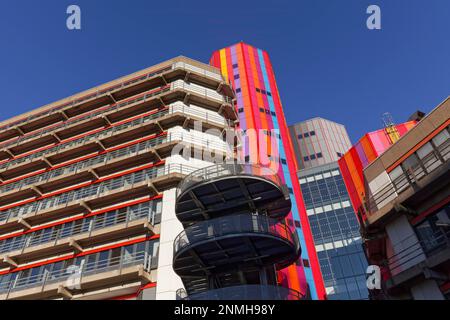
(84, 140)
(202, 91)
(95, 191)
(245, 292)
(223, 170)
(111, 89)
(45, 277)
(82, 226)
(93, 114)
(234, 225)
(172, 109)
(103, 159)
(407, 179)
(86, 98)
(411, 251)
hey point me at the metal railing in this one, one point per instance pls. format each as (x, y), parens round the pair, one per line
(82, 226)
(94, 191)
(198, 70)
(171, 109)
(415, 251)
(111, 89)
(90, 96)
(75, 274)
(86, 139)
(234, 225)
(245, 292)
(103, 159)
(90, 115)
(208, 116)
(425, 166)
(200, 90)
(223, 170)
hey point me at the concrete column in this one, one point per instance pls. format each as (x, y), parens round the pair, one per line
(168, 282)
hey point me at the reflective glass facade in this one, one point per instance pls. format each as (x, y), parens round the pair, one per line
(336, 232)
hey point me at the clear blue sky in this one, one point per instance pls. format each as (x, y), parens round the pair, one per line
(326, 61)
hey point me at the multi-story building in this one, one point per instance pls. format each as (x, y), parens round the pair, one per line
(267, 141)
(88, 183)
(319, 143)
(131, 190)
(363, 153)
(405, 214)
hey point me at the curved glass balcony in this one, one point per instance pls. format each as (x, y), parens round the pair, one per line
(231, 188)
(246, 292)
(237, 241)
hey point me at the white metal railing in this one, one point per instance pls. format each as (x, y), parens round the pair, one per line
(89, 96)
(202, 91)
(90, 115)
(45, 277)
(103, 159)
(94, 191)
(85, 226)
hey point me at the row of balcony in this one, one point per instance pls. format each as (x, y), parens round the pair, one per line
(52, 235)
(132, 107)
(106, 139)
(97, 119)
(111, 95)
(93, 169)
(429, 162)
(121, 190)
(413, 257)
(85, 273)
(77, 167)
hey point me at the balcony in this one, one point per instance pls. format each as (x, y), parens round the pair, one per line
(246, 292)
(231, 242)
(415, 257)
(80, 234)
(143, 185)
(218, 190)
(132, 129)
(415, 184)
(81, 104)
(88, 276)
(98, 118)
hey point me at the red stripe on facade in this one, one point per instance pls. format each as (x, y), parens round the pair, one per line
(81, 254)
(95, 213)
(79, 186)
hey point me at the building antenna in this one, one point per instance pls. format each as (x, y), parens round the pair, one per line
(390, 128)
